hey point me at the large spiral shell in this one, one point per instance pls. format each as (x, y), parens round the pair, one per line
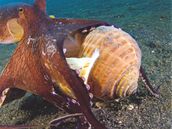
(109, 60)
(115, 73)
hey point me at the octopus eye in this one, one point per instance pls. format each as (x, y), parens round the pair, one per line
(21, 10)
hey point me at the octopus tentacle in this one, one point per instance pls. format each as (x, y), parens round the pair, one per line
(57, 122)
(147, 83)
(74, 25)
(68, 80)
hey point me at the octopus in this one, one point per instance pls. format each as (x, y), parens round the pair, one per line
(67, 61)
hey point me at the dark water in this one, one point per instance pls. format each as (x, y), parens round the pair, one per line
(150, 22)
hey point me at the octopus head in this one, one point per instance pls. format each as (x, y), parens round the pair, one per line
(16, 20)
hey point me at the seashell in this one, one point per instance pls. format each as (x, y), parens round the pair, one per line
(114, 72)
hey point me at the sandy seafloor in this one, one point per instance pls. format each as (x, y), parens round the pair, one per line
(149, 22)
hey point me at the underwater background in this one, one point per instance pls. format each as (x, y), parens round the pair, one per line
(150, 23)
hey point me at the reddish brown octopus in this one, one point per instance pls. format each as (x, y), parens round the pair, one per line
(39, 63)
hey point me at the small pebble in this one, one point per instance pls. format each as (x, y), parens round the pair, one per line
(130, 107)
(120, 122)
(116, 100)
(100, 105)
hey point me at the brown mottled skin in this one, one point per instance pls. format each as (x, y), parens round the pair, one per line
(33, 60)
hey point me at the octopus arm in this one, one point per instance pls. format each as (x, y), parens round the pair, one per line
(75, 24)
(68, 80)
